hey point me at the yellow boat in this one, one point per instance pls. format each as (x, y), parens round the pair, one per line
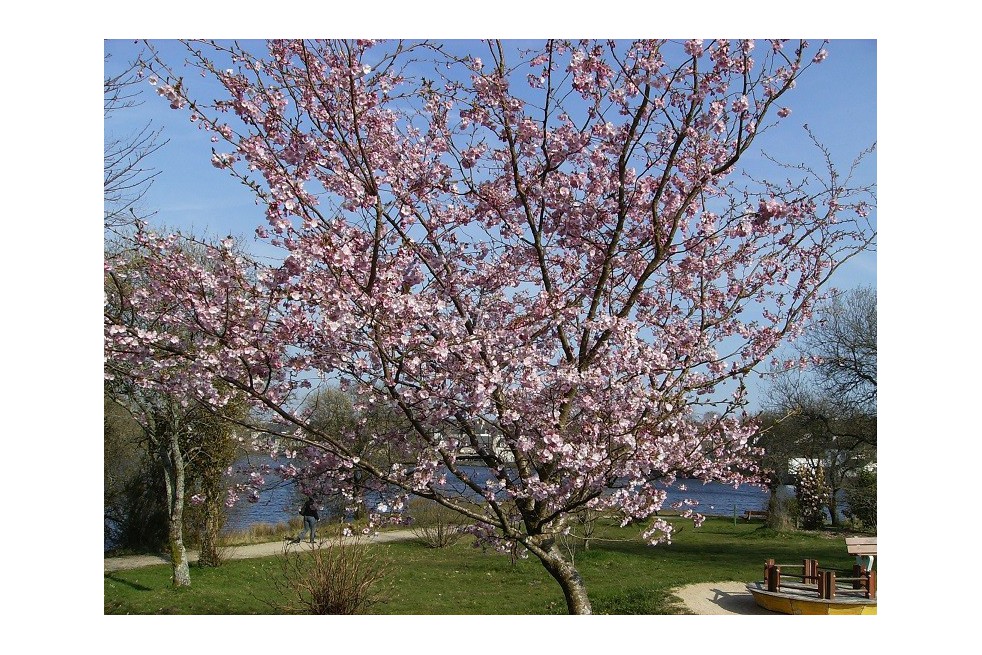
(801, 599)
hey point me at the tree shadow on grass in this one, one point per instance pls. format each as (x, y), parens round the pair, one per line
(703, 554)
(128, 583)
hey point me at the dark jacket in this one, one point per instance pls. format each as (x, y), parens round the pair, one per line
(309, 509)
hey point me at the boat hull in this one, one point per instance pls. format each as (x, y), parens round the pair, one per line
(795, 602)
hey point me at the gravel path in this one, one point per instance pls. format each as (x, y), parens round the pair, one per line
(719, 598)
(235, 552)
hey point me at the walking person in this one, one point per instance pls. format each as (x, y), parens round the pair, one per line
(310, 517)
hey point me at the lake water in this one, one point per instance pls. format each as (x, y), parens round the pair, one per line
(280, 504)
(276, 505)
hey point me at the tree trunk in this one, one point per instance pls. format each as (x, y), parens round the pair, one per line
(778, 513)
(214, 522)
(832, 506)
(174, 476)
(577, 601)
(212, 486)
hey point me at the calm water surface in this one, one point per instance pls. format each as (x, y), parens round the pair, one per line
(280, 504)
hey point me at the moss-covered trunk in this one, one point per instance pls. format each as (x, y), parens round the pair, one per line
(173, 461)
(214, 522)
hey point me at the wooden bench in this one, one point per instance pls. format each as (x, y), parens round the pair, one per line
(864, 548)
(754, 514)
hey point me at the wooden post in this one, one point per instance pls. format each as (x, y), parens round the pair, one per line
(859, 573)
(827, 585)
(774, 578)
(871, 585)
(809, 571)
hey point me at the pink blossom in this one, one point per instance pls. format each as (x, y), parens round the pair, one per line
(694, 47)
(222, 160)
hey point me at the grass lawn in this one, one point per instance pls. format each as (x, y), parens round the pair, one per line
(622, 575)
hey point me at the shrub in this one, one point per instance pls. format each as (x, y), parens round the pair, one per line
(861, 499)
(582, 525)
(585, 522)
(336, 576)
(435, 525)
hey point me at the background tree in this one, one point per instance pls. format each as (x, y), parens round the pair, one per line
(126, 161)
(843, 341)
(163, 422)
(187, 450)
(549, 243)
(813, 495)
(152, 439)
(828, 413)
(368, 434)
(861, 498)
(134, 505)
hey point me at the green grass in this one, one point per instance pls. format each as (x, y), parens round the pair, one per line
(623, 576)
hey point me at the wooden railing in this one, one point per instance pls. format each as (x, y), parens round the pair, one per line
(825, 580)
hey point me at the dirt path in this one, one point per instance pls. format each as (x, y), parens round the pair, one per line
(235, 552)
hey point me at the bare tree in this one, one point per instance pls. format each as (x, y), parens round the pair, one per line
(828, 415)
(127, 172)
(844, 341)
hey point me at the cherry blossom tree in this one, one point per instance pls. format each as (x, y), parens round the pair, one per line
(187, 439)
(555, 245)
